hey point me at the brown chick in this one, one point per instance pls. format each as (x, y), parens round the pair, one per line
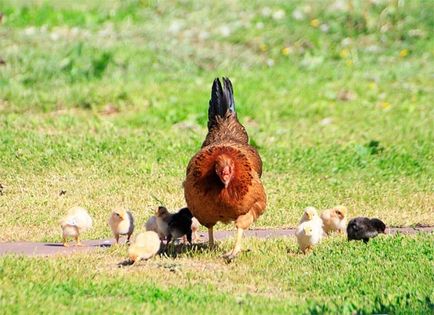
(122, 223)
(145, 246)
(223, 180)
(163, 218)
(151, 225)
(335, 219)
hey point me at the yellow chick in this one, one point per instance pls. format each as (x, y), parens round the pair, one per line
(194, 228)
(121, 223)
(146, 245)
(309, 232)
(76, 221)
(335, 219)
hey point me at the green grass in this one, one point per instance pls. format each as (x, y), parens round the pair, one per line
(314, 98)
(388, 275)
(107, 100)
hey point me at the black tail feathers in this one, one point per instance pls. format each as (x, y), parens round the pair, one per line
(222, 100)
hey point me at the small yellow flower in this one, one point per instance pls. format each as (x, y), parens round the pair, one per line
(285, 51)
(349, 63)
(263, 47)
(404, 53)
(315, 23)
(344, 53)
(385, 105)
(372, 85)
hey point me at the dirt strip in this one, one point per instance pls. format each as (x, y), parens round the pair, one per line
(48, 249)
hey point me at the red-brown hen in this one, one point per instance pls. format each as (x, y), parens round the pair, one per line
(223, 179)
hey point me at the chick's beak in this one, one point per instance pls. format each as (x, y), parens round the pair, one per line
(309, 216)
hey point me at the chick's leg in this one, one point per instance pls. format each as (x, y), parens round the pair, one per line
(65, 242)
(78, 241)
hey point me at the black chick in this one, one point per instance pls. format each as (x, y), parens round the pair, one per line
(180, 225)
(363, 228)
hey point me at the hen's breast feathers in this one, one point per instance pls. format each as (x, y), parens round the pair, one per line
(206, 194)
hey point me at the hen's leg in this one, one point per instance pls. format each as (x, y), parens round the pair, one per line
(237, 248)
(242, 223)
(210, 237)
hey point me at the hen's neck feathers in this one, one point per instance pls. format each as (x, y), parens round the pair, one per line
(226, 129)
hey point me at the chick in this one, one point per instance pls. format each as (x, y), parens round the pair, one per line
(76, 221)
(180, 224)
(362, 228)
(151, 225)
(163, 218)
(145, 246)
(195, 228)
(335, 219)
(309, 231)
(121, 223)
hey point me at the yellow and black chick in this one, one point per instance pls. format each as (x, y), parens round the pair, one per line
(362, 228)
(76, 221)
(122, 223)
(145, 246)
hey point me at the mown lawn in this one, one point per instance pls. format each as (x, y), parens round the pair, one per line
(107, 100)
(391, 275)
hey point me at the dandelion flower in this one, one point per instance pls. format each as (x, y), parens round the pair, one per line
(285, 51)
(372, 85)
(344, 53)
(385, 105)
(263, 47)
(404, 53)
(315, 23)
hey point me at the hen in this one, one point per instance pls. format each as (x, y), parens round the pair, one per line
(223, 179)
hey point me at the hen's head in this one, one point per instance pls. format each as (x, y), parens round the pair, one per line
(224, 168)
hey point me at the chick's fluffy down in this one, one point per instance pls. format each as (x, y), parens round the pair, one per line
(334, 219)
(309, 233)
(77, 220)
(145, 246)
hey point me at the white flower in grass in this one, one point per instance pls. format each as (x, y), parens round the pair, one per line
(279, 14)
(259, 25)
(175, 27)
(324, 28)
(266, 11)
(225, 31)
(30, 31)
(298, 15)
